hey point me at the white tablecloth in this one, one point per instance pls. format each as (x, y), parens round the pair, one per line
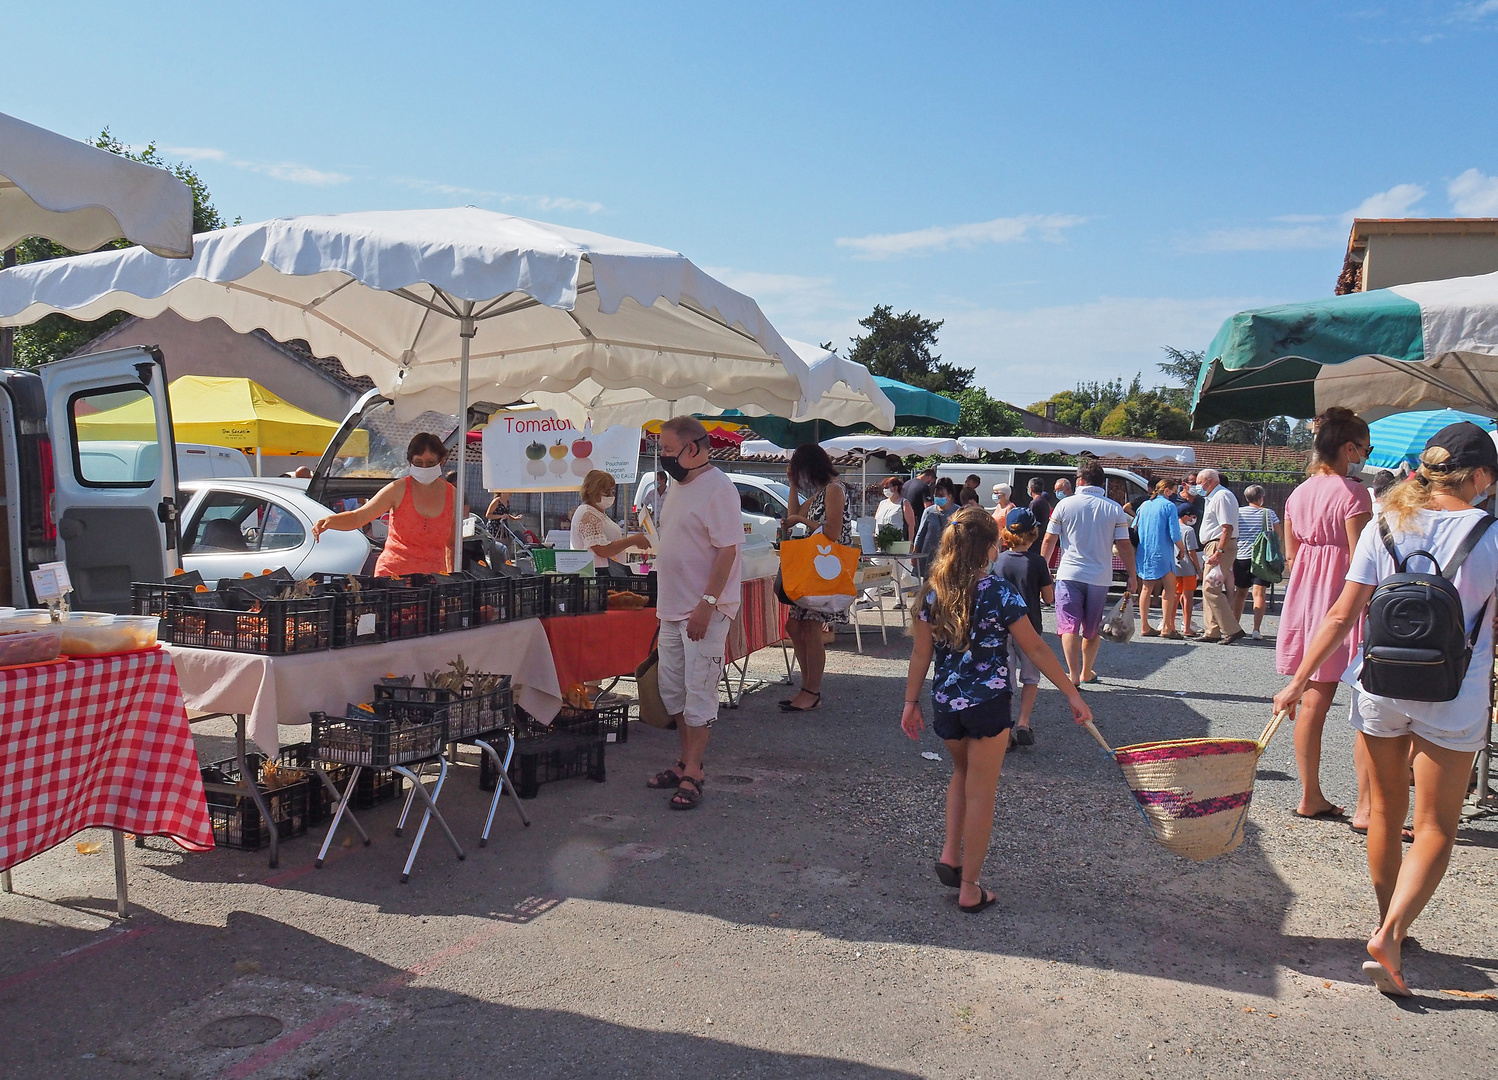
(275, 690)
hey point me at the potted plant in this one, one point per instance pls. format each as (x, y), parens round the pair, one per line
(890, 539)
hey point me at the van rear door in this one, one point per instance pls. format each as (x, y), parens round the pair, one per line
(112, 529)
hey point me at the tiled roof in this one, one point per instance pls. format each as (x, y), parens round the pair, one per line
(328, 365)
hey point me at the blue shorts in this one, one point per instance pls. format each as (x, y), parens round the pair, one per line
(981, 721)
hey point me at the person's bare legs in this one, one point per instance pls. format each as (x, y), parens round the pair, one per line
(1168, 606)
(1071, 650)
(1261, 605)
(951, 848)
(1310, 721)
(793, 628)
(1406, 882)
(1188, 601)
(693, 746)
(1364, 769)
(985, 760)
(1146, 594)
(813, 659)
(1090, 647)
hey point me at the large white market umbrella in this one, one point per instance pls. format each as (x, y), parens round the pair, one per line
(427, 302)
(1065, 444)
(83, 197)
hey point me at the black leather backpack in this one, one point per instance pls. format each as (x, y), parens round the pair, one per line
(1416, 645)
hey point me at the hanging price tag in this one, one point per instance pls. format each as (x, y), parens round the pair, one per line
(50, 580)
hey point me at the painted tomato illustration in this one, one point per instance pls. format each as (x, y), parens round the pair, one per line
(582, 448)
(559, 451)
(535, 451)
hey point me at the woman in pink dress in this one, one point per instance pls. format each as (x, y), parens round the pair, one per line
(1323, 519)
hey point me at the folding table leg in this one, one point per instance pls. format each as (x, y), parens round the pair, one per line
(430, 798)
(338, 798)
(5, 882)
(247, 781)
(400, 826)
(503, 785)
(353, 782)
(121, 885)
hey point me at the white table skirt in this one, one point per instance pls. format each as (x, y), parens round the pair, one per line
(275, 690)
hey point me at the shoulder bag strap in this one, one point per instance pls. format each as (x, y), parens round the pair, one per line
(1388, 539)
(1469, 542)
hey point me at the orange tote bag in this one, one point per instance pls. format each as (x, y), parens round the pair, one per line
(818, 573)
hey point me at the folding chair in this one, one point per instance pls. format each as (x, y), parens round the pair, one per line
(868, 580)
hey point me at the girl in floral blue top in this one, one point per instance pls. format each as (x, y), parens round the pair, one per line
(965, 623)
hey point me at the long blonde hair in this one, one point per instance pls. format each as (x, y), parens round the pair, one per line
(960, 562)
(1407, 498)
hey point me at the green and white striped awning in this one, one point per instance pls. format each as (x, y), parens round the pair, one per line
(1424, 345)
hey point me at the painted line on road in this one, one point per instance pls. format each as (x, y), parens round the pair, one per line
(91, 949)
(333, 1017)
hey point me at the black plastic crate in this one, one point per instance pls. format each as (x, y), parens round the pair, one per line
(410, 611)
(466, 715)
(608, 721)
(268, 627)
(568, 594)
(374, 742)
(153, 598)
(451, 598)
(528, 598)
(546, 760)
(493, 600)
(236, 819)
(361, 609)
(639, 584)
(374, 787)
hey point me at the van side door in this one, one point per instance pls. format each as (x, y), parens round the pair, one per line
(112, 529)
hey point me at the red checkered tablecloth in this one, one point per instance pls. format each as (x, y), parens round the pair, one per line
(98, 742)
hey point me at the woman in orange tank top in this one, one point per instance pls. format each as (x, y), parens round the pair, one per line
(420, 505)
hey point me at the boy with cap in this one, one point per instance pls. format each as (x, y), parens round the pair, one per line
(1188, 571)
(1021, 565)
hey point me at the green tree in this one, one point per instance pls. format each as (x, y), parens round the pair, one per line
(1148, 415)
(56, 336)
(983, 415)
(1089, 404)
(1301, 436)
(1181, 367)
(899, 347)
(1272, 432)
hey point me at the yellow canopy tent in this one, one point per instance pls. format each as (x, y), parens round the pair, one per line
(224, 412)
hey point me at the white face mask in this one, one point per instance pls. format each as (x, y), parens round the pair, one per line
(425, 474)
(606, 503)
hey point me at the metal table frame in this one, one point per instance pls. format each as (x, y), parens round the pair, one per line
(121, 882)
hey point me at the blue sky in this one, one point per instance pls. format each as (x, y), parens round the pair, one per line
(1070, 186)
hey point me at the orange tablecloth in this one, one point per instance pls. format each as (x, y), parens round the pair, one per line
(588, 648)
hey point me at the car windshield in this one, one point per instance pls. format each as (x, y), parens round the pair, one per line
(386, 435)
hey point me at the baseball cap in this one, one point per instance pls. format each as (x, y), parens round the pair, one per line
(1470, 447)
(1185, 510)
(1019, 520)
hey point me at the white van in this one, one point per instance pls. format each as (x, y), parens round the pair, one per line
(1123, 486)
(110, 521)
(128, 460)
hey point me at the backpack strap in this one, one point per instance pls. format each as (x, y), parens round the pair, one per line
(1470, 541)
(1388, 539)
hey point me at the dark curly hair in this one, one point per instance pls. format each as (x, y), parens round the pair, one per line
(811, 463)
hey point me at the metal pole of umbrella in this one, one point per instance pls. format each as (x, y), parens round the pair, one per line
(467, 328)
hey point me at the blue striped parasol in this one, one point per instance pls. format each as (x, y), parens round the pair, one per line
(1399, 439)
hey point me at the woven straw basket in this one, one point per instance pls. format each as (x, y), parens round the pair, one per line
(1193, 793)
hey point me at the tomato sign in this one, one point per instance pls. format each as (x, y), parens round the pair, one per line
(537, 451)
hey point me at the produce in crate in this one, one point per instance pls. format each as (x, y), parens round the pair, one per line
(624, 600)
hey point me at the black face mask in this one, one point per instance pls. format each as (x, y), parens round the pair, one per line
(671, 463)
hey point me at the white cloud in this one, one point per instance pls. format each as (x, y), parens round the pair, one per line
(1472, 194)
(1475, 12)
(1398, 201)
(1026, 355)
(289, 171)
(540, 203)
(945, 237)
(1294, 232)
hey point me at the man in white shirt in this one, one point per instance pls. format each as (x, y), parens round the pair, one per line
(1090, 527)
(698, 586)
(1219, 526)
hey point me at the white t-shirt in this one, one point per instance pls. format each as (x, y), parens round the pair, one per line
(1252, 520)
(1221, 509)
(591, 528)
(1087, 523)
(701, 516)
(1440, 532)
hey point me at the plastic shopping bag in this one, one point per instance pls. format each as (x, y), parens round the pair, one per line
(1119, 625)
(817, 573)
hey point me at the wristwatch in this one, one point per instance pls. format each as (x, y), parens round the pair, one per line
(712, 600)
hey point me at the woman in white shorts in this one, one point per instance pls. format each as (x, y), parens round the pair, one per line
(1431, 511)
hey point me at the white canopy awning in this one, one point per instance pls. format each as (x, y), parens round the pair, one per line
(1065, 444)
(83, 197)
(872, 443)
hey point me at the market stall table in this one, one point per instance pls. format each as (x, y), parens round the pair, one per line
(97, 742)
(603, 645)
(759, 624)
(261, 693)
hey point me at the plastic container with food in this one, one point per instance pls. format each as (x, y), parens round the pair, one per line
(89, 633)
(29, 645)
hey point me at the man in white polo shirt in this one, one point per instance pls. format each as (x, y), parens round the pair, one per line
(1089, 527)
(1219, 527)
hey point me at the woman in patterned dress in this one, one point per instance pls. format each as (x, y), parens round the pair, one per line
(817, 498)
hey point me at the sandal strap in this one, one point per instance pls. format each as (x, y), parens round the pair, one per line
(695, 783)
